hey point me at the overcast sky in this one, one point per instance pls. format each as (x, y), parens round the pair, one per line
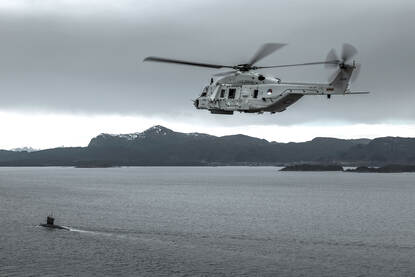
(70, 70)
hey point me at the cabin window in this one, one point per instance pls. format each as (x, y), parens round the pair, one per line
(222, 93)
(203, 94)
(231, 94)
(255, 93)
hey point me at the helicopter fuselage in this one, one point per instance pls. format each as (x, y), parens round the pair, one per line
(251, 92)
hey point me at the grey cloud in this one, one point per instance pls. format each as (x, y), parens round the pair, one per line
(92, 62)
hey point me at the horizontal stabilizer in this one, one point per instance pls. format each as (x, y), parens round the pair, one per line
(357, 92)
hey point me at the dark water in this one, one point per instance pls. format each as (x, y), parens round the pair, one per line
(184, 221)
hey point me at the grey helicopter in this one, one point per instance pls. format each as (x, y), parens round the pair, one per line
(245, 90)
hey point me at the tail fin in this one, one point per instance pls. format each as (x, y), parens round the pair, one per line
(342, 78)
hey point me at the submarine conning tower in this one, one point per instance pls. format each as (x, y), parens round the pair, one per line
(50, 220)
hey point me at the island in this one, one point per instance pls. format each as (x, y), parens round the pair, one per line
(392, 168)
(93, 164)
(313, 167)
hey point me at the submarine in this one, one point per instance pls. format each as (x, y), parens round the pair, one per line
(51, 225)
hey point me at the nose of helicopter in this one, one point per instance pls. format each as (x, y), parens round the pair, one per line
(196, 103)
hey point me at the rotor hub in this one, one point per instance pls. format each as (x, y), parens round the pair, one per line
(244, 67)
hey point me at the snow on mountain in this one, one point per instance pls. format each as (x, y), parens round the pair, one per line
(157, 130)
(24, 149)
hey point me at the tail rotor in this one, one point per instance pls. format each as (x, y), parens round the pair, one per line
(348, 52)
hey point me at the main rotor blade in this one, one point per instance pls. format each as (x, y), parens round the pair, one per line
(225, 73)
(264, 51)
(348, 52)
(299, 64)
(166, 60)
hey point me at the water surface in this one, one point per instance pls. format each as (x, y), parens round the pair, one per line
(190, 221)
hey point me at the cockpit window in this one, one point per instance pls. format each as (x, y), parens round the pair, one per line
(222, 93)
(204, 92)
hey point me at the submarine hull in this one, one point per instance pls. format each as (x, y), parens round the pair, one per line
(53, 226)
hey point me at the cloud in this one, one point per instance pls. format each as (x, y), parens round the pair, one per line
(86, 56)
(47, 130)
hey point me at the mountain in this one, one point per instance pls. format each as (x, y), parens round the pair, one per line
(162, 146)
(383, 150)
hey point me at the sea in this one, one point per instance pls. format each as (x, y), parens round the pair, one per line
(206, 221)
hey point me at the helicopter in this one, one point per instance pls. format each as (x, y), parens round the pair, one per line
(245, 90)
